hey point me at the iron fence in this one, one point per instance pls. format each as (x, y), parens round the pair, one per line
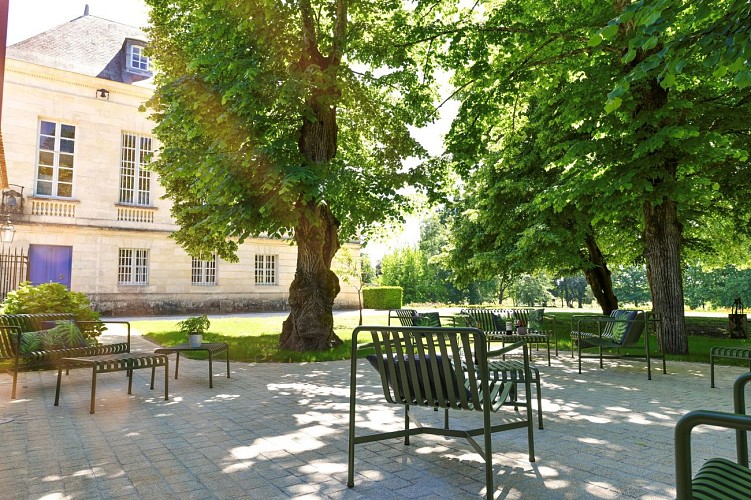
(14, 269)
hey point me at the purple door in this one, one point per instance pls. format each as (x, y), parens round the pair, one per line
(50, 264)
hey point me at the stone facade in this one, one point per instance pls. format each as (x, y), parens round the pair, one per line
(92, 227)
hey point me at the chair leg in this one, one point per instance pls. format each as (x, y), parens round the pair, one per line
(539, 403)
(406, 424)
(488, 453)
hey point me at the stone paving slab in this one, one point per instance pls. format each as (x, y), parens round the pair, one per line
(280, 431)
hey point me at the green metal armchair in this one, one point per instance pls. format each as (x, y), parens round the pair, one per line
(718, 478)
(440, 368)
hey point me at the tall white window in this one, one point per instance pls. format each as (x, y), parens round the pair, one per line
(203, 272)
(136, 59)
(265, 270)
(133, 266)
(57, 144)
(135, 180)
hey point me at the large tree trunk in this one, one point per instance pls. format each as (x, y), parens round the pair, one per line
(663, 235)
(310, 324)
(598, 277)
(662, 238)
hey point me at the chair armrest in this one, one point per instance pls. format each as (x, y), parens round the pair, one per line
(683, 428)
(587, 319)
(10, 342)
(506, 348)
(108, 322)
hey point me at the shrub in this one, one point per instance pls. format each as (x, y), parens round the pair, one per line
(53, 298)
(382, 297)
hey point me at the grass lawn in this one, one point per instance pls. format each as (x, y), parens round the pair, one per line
(256, 339)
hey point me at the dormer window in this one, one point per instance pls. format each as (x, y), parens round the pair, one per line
(137, 61)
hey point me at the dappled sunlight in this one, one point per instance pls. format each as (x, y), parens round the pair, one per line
(600, 489)
(295, 442)
(284, 429)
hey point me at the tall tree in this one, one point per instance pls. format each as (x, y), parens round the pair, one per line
(636, 113)
(271, 124)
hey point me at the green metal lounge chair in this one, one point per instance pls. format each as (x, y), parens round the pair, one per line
(439, 368)
(405, 316)
(493, 323)
(622, 329)
(718, 478)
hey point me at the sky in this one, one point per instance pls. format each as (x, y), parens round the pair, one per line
(27, 18)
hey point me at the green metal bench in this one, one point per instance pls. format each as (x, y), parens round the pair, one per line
(12, 327)
(622, 329)
(440, 368)
(718, 478)
(738, 352)
(489, 321)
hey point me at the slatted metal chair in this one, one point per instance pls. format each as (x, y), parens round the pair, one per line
(493, 323)
(405, 316)
(622, 329)
(440, 368)
(718, 478)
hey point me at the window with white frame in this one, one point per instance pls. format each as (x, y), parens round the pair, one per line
(133, 266)
(265, 270)
(135, 180)
(203, 272)
(136, 59)
(57, 144)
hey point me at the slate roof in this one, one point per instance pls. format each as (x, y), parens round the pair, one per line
(87, 45)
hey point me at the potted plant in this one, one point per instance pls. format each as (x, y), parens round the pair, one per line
(194, 327)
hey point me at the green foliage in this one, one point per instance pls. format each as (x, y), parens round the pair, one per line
(238, 81)
(367, 273)
(531, 290)
(631, 286)
(605, 123)
(570, 289)
(196, 325)
(717, 288)
(382, 297)
(53, 298)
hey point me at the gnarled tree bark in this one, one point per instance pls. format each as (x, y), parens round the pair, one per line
(310, 324)
(598, 277)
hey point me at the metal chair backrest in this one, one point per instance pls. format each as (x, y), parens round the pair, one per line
(405, 316)
(442, 367)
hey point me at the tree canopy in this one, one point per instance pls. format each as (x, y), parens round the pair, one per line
(282, 118)
(619, 123)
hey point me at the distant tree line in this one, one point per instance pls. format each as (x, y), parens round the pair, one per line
(425, 276)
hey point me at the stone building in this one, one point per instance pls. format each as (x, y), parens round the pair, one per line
(93, 217)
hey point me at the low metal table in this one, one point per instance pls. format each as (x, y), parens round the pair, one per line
(211, 348)
(532, 337)
(108, 363)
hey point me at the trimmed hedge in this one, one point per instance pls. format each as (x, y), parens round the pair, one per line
(382, 297)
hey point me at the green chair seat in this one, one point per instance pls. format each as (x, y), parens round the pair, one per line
(720, 478)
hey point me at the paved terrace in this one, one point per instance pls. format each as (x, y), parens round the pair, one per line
(280, 431)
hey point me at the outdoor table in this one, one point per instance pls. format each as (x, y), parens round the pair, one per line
(211, 348)
(108, 363)
(529, 337)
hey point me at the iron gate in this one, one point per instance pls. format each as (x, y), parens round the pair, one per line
(14, 269)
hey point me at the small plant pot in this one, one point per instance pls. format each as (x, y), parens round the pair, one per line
(195, 339)
(521, 330)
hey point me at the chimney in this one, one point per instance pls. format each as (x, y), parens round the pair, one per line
(86, 10)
